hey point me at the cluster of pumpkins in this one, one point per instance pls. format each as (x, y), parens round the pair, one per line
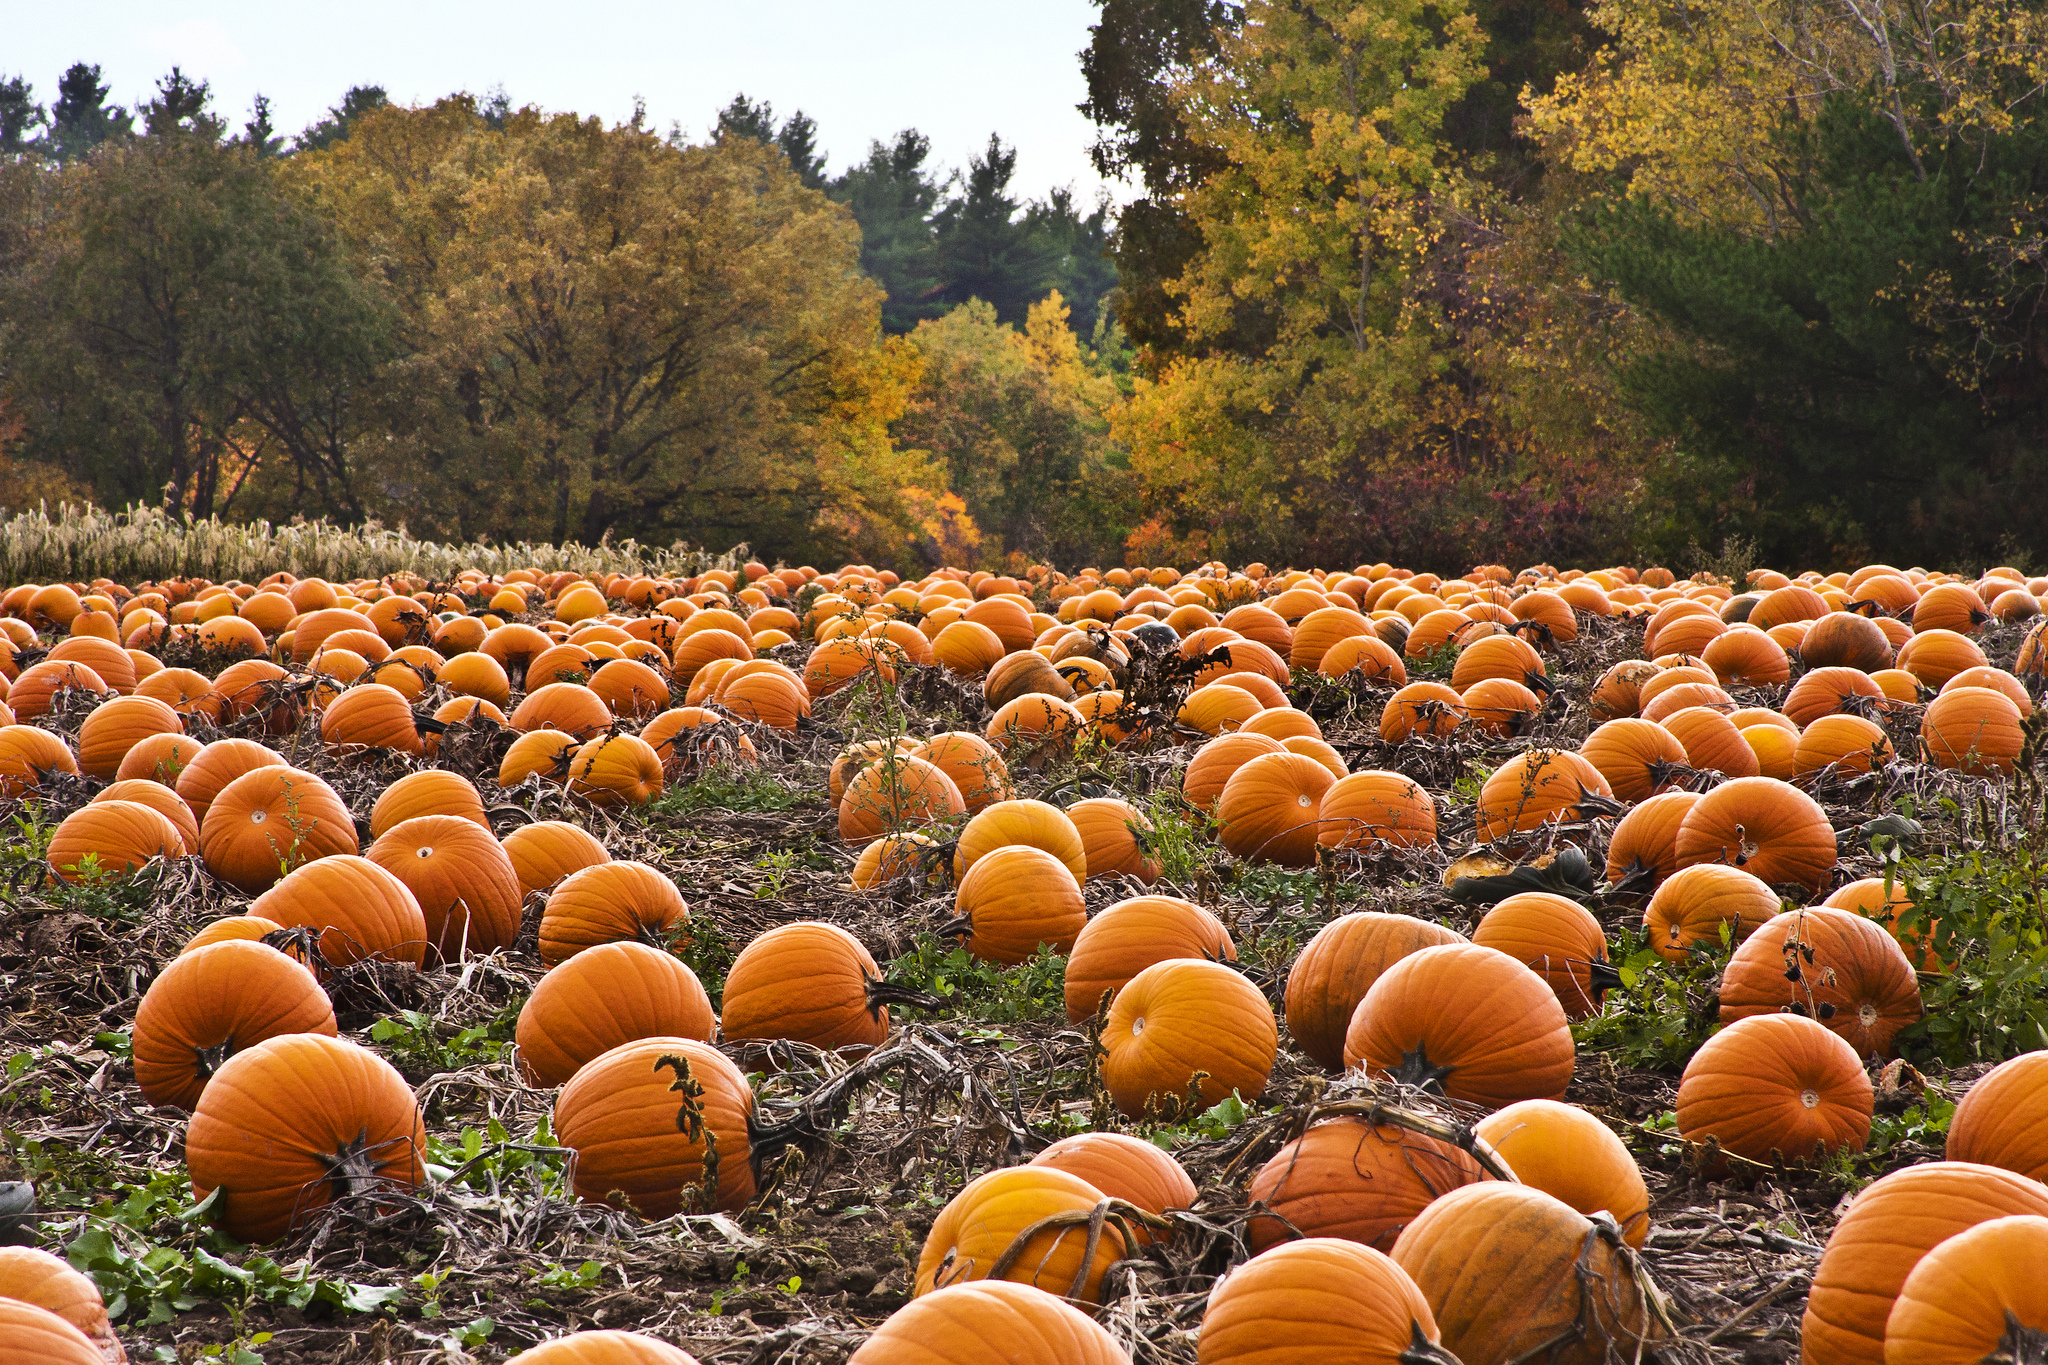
(617, 686)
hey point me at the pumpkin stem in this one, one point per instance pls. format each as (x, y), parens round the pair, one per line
(2020, 1345)
(1416, 1070)
(352, 1170)
(1422, 1351)
(960, 926)
(1640, 879)
(1605, 977)
(880, 993)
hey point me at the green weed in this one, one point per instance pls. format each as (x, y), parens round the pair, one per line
(1034, 989)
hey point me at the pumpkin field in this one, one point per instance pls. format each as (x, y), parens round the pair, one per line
(638, 960)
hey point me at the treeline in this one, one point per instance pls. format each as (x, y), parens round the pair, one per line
(476, 320)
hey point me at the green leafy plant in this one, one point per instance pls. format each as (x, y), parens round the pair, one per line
(733, 787)
(420, 1042)
(1033, 989)
(1662, 1011)
(1983, 915)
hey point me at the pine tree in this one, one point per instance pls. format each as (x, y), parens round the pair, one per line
(893, 197)
(798, 139)
(359, 100)
(986, 251)
(180, 107)
(82, 119)
(20, 115)
(259, 134)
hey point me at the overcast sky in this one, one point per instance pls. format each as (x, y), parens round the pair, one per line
(957, 69)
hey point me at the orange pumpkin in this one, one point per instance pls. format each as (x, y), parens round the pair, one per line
(269, 821)
(1776, 1086)
(1355, 1179)
(1974, 729)
(1830, 965)
(1643, 849)
(1365, 808)
(1558, 940)
(1126, 938)
(1339, 965)
(1538, 787)
(1469, 1022)
(1694, 903)
(610, 902)
(359, 910)
(989, 1322)
(432, 791)
(1185, 1021)
(808, 982)
(1016, 899)
(209, 1004)
(1768, 828)
(659, 1125)
(1269, 810)
(461, 878)
(546, 851)
(1568, 1154)
(895, 791)
(605, 997)
(1034, 823)
(2003, 1119)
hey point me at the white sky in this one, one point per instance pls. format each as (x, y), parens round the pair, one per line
(956, 69)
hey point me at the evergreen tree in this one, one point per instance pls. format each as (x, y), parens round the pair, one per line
(1085, 273)
(82, 119)
(745, 118)
(180, 107)
(986, 250)
(359, 100)
(259, 134)
(798, 138)
(893, 196)
(496, 108)
(20, 115)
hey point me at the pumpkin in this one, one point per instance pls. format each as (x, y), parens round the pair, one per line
(616, 770)
(765, 698)
(286, 1127)
(159, 758)
(1892, 1224)
(974, 1234)
(1826, 691)
(610, 902)
(1537, 787)
(1979, 1296)
(568, 663)
(36, 1278)
(218, 764)
(1421, 708)
(546, 851)
(1844, 639)
(1643, 850)
(1691, 905)
(1034, 823)
(1321, 1299)
(118, 725)
(1354, 1179)
(1558, 940)
(973, 765)
(1219, 708)
(1839, 744)
(107, 839)
(1034, 729)
(1269, 809)
(1829, 965)
(629, 688)
(461, 878)
(27, 755)
(237, 929)
(1375, 807)
(432, 791)
(1768, 828)
(808, 982)
(838, 663)
(893, 792)
(1639, 758)
(1468, 1022)
(691, 739)
(1339, 965)
(1932, 656)
(602, 998)
(1182, 1021)
(1115, 839)
(158, 798)
(35, 1336)
(1685, 696)
(1998, 680)
(1974, 729)
(1366, 655)
(35, 691)
(206, 1006)
(1016, 899)
(1212, 766)
(267, 822)
(1618, 692)
(546, 752)
(1749, 657)
(1023, 674)
(1712, 743)
(659, 1125)
(370, 716)
(893, 856)
(604, 1348)
(966, 649)
(360, 911)
(989, 1322)
(1126, 938)
(1776, 1086)
(2003, 1119)
(571, 708)
(1497, 656)
(1125, 1168)
(1572, 1156)
(1512, 1273)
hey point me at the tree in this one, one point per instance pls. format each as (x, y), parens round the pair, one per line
(610, 334)
(20, 115)
(1083, 272)
(747, 118)
(81, 119)
(259, 134)
(893, 198)
(169, 290)
(987, 250)
(341, 119)
(797, 137)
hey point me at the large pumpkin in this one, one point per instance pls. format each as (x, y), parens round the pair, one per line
(269, 821)
(35, 1336)
(603, 1348)
(1468, 1022)
(106, 839)
(1975, 729)
(989, 1322)
(1537, 787)
(659, 1125)
(36, 1278)
(610, 902)
(1213, 764)
(461, 878)
(546, 851)
(286, 1127)
(1183, 1021)
(2003, 1119)
(1565, 1152)
(1776, 1086)
(1269, 809)
(1034, 823)
(1126, 938)
(1830, 965)
(117, 726)
(1874, 1247)
(1558, 940)
(206, 1006)
(1643, 850)
(602, 998)
(895, 792)
(976, 768)
(1355, 1179)
(1692, 904)
(975, 1233)
(433, 791)
(808, 982)
(1323, 1300)
(1768, 828)
(1016, 899)
(370, 716)
(616, 770)
(360, 910)
(1376, 807)
(1513, 1274)
(1979, 1296)
(1115, 839)
(1339, 965)
(1123, 1167)
(203, 775)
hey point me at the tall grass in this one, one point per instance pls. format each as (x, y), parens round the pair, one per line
(83, 542)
